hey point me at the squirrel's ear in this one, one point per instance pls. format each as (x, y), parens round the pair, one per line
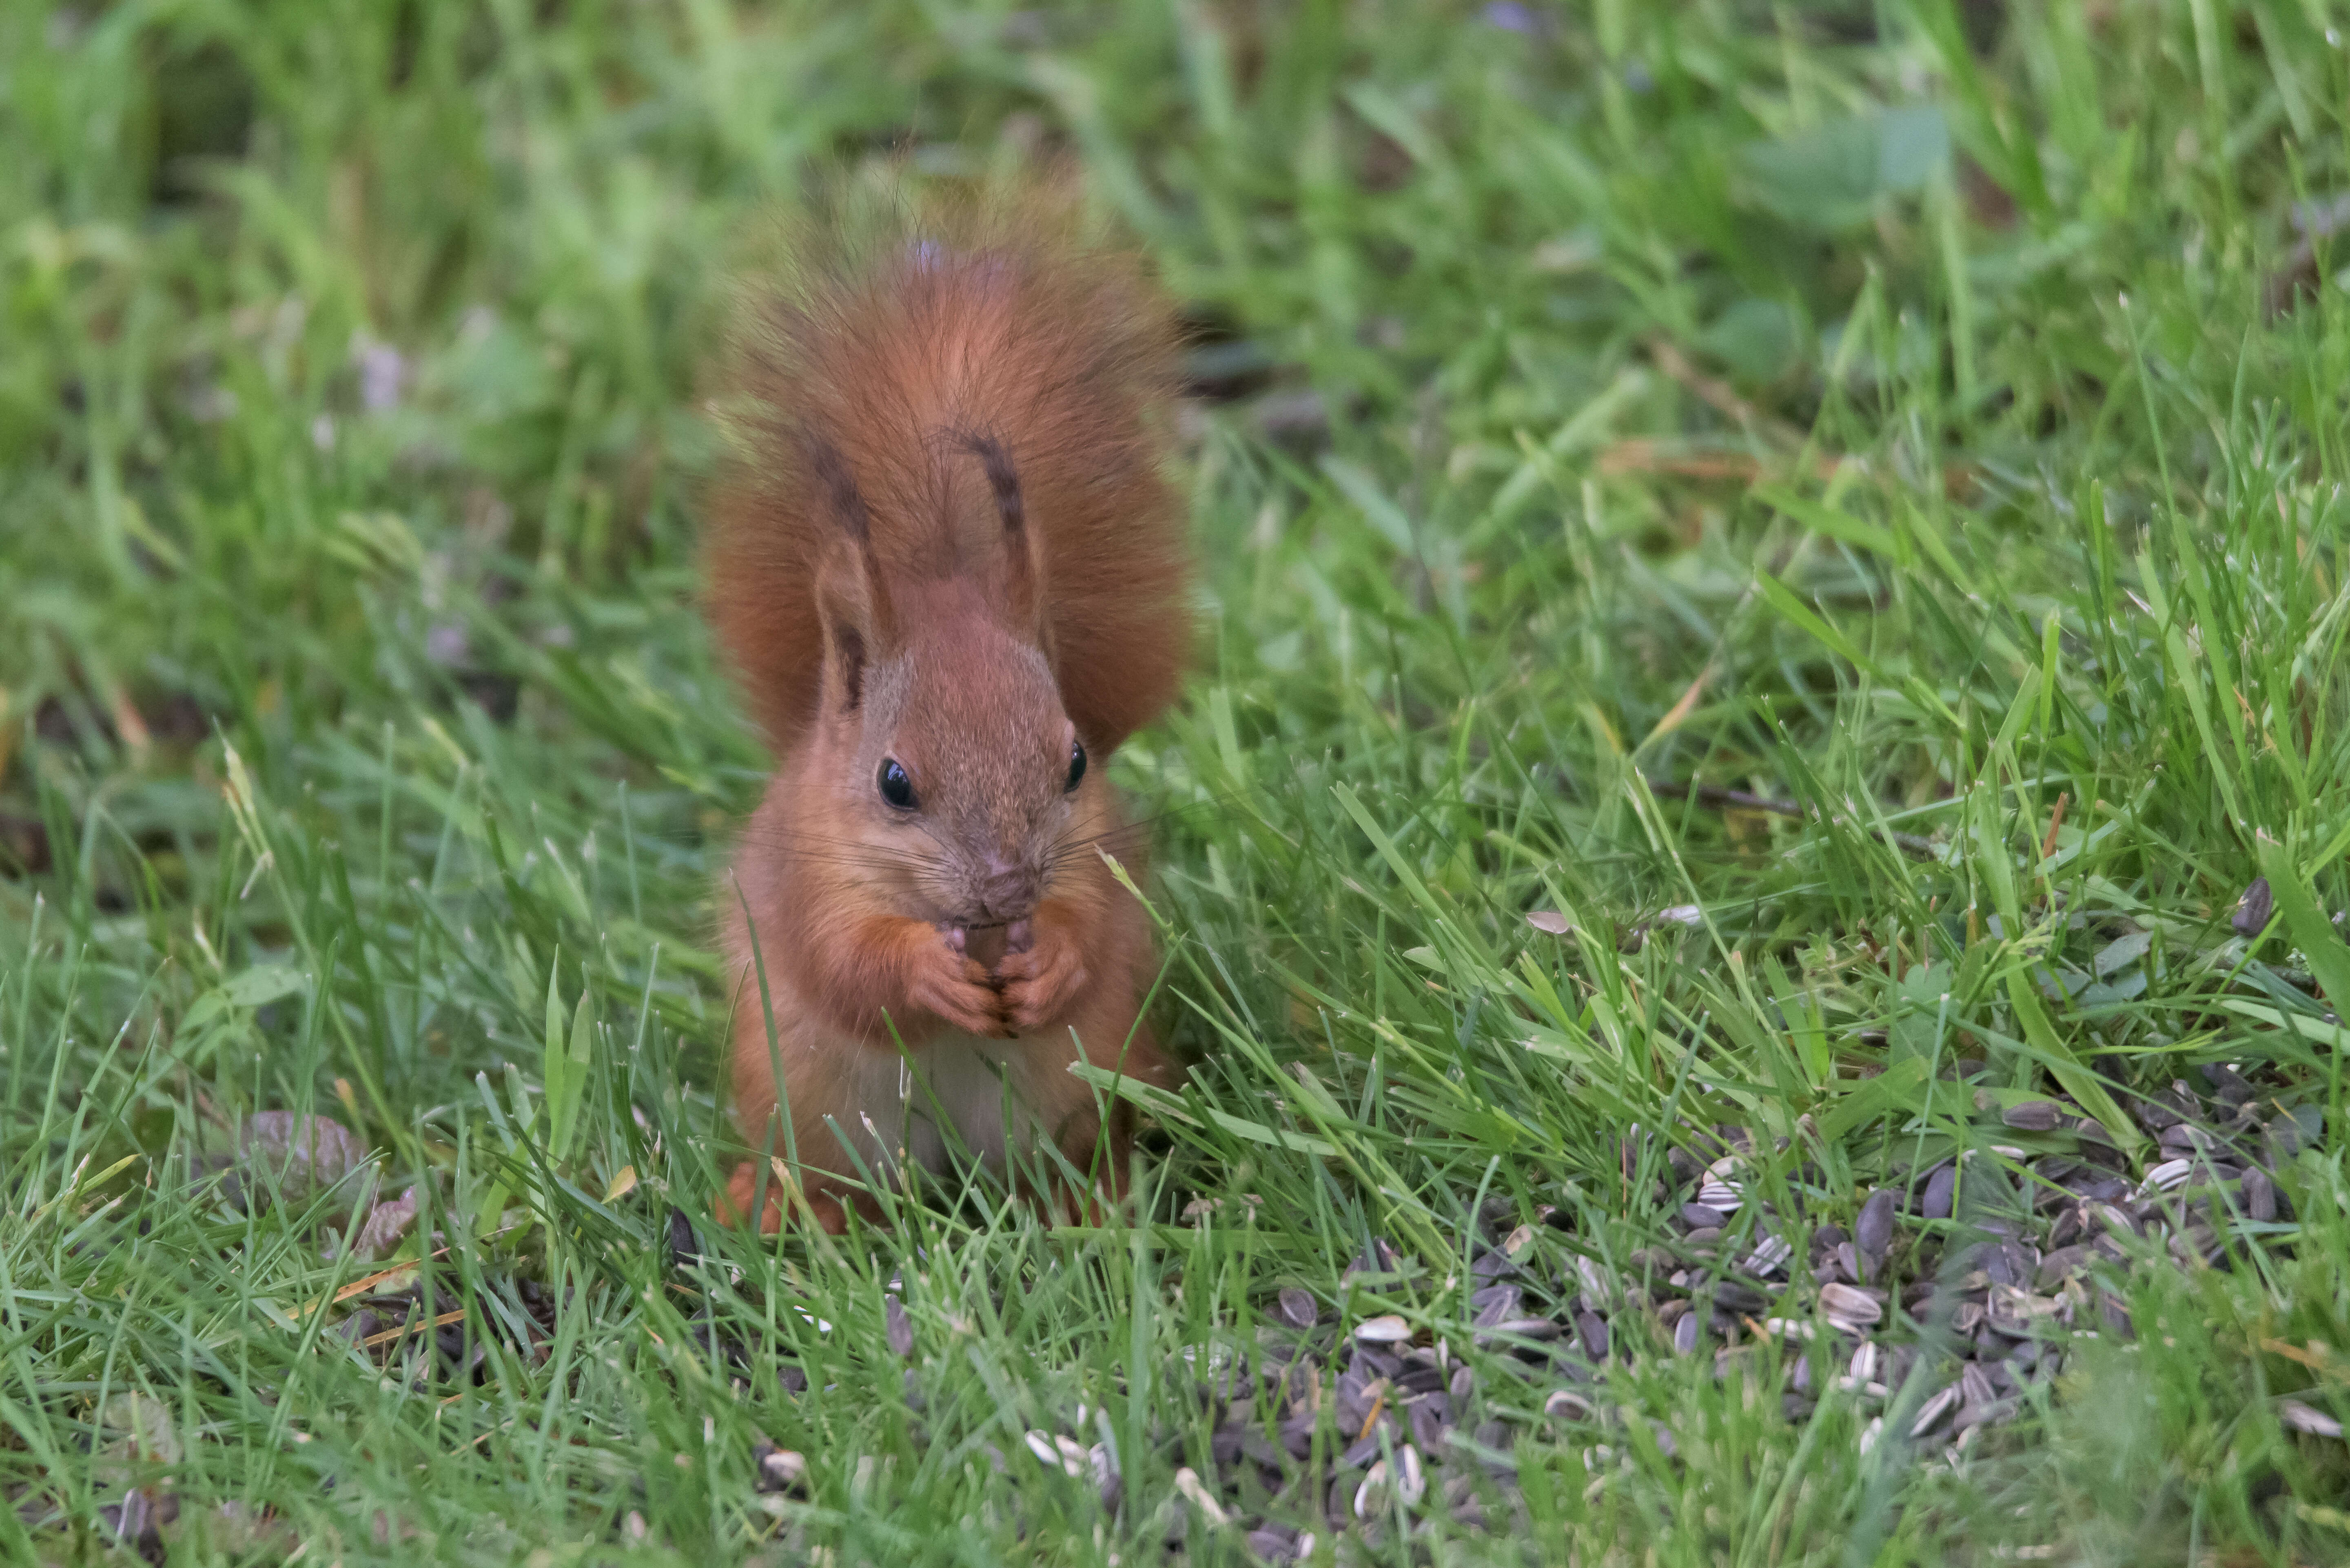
(855, 614)
(850, 601)
(1023, 601)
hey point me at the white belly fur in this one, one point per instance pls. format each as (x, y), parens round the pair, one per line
(973, 1085)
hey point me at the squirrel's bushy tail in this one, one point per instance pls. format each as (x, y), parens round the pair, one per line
(899, 332)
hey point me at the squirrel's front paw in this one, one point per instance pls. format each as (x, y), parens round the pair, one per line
(1042, 976)
(959, 991)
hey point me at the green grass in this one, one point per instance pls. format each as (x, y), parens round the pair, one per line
(1872, 408)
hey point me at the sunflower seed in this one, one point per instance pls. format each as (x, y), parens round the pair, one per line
(1769, 1258)
(1990, 1413)
(1277, 1543)
(1388, 1330)
(1491, 1264)
(1872, 1231)
(1684, 1334)
(1849, 1307)
(2297, 1130)
(1593, 1330)
(2033, 1116)
(1730, 1296)
(777, 1470)
(1405, 1482)
(1941, 1187)
(2168, 1177)
(1410, 1480)
(2060, 1265)
(2253, 909)
(2228, 1085)
(1534, 1328)
(1566, 1405)
(2096, 1186)
(1719, 1196)
(1225, 1443)
(1549, 920)
(1060, 1453)
(1494, 1303)
(2301, 1418)
(1357, 1392)
(1930, 1414)
(2260, 1195)
(900, 1331)
(1187, 1482)
(1297, 1307)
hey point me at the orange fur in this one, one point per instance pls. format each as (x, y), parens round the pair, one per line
(1065, 353)
(947, 547)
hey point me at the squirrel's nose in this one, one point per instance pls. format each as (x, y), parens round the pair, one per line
(1007, 888)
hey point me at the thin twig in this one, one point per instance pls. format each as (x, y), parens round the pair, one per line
(1909, 844)
(2055, 821)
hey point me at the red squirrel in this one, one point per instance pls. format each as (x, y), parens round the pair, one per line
(952, 578)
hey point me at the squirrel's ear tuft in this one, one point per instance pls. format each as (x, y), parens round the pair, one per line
(1022, 603)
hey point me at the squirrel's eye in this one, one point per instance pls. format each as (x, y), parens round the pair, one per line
(1076, 764)
(896, 788)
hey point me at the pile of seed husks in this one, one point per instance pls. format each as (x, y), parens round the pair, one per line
(1949, 1297)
